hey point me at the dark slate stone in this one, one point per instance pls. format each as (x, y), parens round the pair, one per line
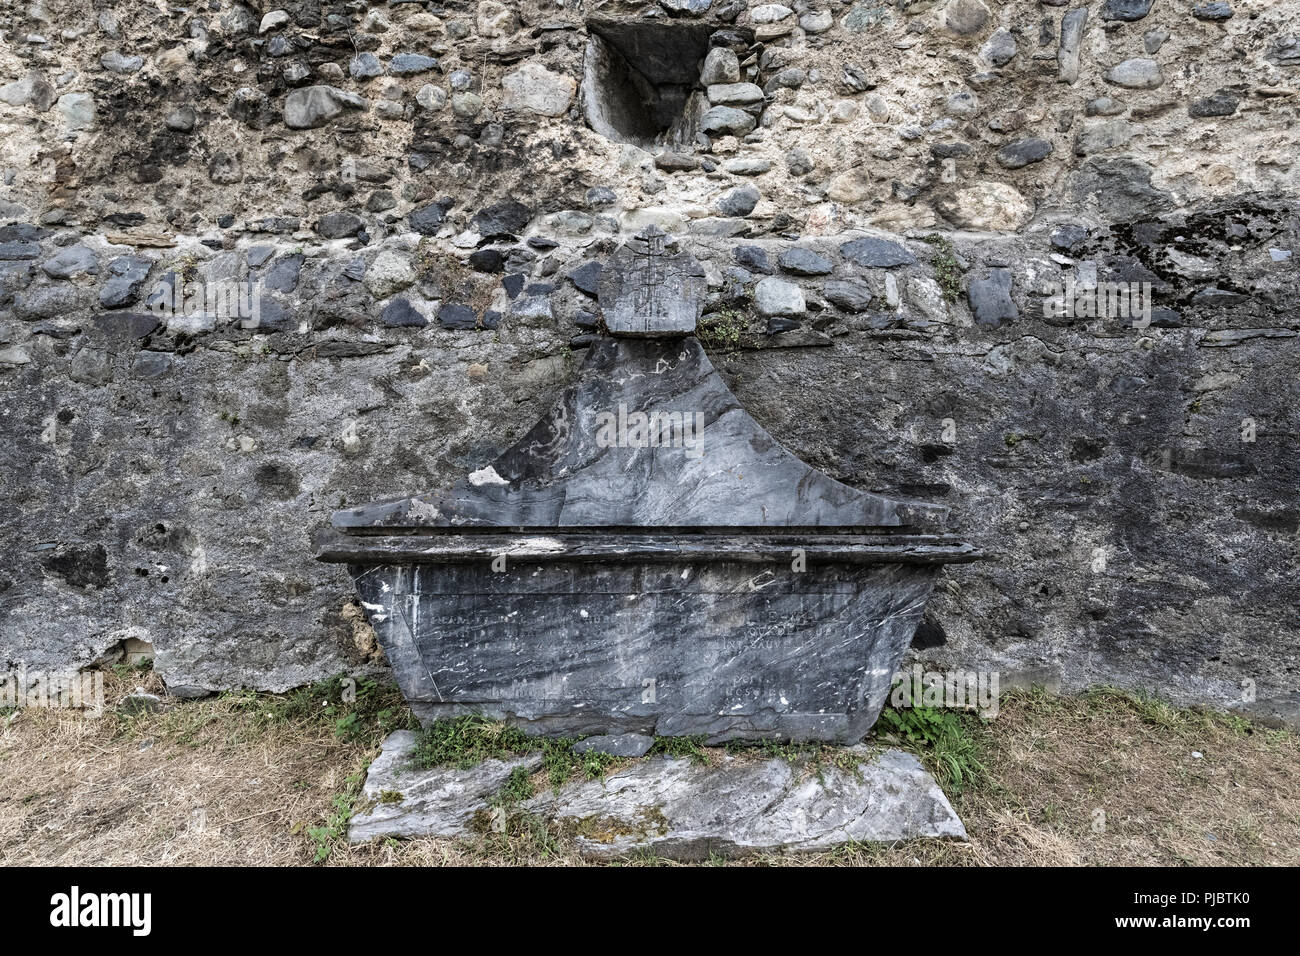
(753, 258)
(990, 298)
(849, 295)
(1212, 11)
(283, 275)
(507, 218)
(1022, 153)
(339, 225)
(258, 255)
(23, 232)
(1121, 188)
(126, 276)
(19, 250)
(804, 262)
(778, 325)
(586, 320)
(951, 150)
(1126, 10)
(1220, 103)
(514, 284)
(1068, 236)
(491, 319)
(1213, 296)
(876, 253)
(401, 314)
(365, 65)
(738, 202)
(74, 260)
(355, 270)
(151, 365)
(405, 64)
(598, 197)
(490, 261)
(542, 243)
(1163, 317)
(272, 316)
(586, 277)
(278, 225)
(124, 327)
(428, 219)
(453, 316)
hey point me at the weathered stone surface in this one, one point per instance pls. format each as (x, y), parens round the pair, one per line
(805, 262)
(1217, 11)
(389, 273)
(727, 120)
(669, 807)
(617, 745)
(990, 298)
(339, 225)
(735, 94)
(1067, 53)
(537, 90)
(354, 404)
(1139, 73)
(1023, 152)
(778, 297)
(126, 276)
(965, 17)
(996, 207)
(400, 314)
(117, 62)
(1127, 10)
(647, 289)
(502, 219)
(32, 90)
(875, 253)
(314, 106)
(408, 64)
(1099, 137)
(1000, 48)
(72, 261)
(849, 295)
(739, 201)
(1220, 103)
(78, 110)
(678, 809)
(439, 802)
(720, 66)
(364, 66)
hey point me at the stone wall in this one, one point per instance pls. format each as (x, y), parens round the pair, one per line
(883, 195)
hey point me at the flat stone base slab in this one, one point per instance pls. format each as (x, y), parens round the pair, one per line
(674, 808)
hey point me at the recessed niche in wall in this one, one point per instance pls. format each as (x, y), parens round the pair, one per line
(641, 80)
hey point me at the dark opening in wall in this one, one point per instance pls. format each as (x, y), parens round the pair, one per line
(641, 80)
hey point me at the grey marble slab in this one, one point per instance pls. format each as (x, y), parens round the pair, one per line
(647, 559)
(587, 465)
(727, 649)
(679, 809)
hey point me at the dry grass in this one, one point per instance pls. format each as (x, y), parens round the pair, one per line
(243, 779)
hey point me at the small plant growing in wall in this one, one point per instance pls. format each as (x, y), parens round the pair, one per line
(722, 330)
(947, 271)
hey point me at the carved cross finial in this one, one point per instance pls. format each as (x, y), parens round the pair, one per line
(645, 290)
